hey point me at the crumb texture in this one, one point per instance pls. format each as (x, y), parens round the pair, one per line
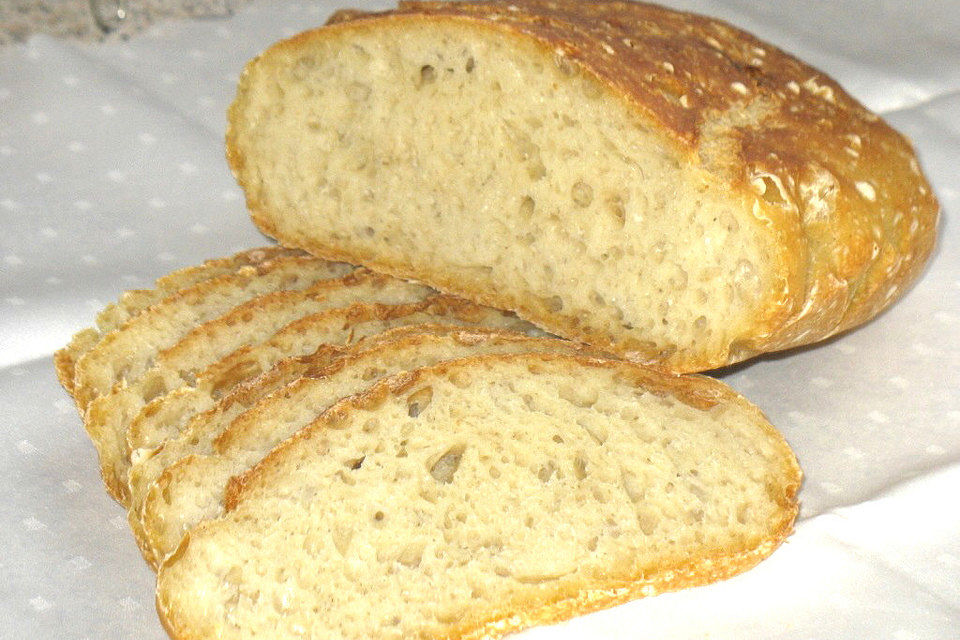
(131, 303)
(197, 465)
(489, 489)
(240, 329)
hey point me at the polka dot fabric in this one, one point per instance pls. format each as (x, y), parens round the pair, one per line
(112, 174)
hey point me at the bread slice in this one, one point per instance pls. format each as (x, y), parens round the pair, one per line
(164, 417)
(127, 352)
(528, 489)
(133, 302)
(660, 184)
(199, 413)
(250, 323)
(192, 489)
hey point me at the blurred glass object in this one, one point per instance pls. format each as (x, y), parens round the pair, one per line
(108, 14)
(113, 15)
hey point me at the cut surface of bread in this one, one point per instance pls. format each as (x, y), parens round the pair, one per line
(133, 302)
(244, 326)
(659, 184)
(163, 417)
(192, 489)
(316, 339)
(251, 324)
(527, 489)
(127, 352)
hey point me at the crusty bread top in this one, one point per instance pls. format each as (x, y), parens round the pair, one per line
(841, 190)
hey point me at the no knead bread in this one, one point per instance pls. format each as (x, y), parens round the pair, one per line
(658, 184)
(484, 495)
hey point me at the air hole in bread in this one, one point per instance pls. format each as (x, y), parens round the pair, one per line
(527, 206)
(546, 471)
(579, 466)
(354, 463)
(446, 465)
(428, 75)
(581, 193)
(418, 401)
(341, 536)
(617, 210)
(647, 520)
(153, 387)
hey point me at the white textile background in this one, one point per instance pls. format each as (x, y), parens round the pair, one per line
(112, 173)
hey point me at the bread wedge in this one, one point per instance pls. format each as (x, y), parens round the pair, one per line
(250, 323)
(192, 489)
(133, 302)
(528, 489)
(659, 184)
(125, 353)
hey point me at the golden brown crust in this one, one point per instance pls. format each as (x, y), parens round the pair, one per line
(840, 191)
(237, 364)
(65, 359)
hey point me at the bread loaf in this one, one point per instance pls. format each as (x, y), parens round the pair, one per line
(659, 184)
(133, 302)
(482, 496)
(249, 323)
(192, 489)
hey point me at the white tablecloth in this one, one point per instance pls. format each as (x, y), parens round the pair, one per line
(112, 173)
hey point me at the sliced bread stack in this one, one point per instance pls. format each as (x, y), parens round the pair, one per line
(218, 331)
(459, 410)
(479, 496)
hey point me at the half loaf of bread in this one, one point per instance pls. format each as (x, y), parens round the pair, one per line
(484, 495)
(659, 184)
